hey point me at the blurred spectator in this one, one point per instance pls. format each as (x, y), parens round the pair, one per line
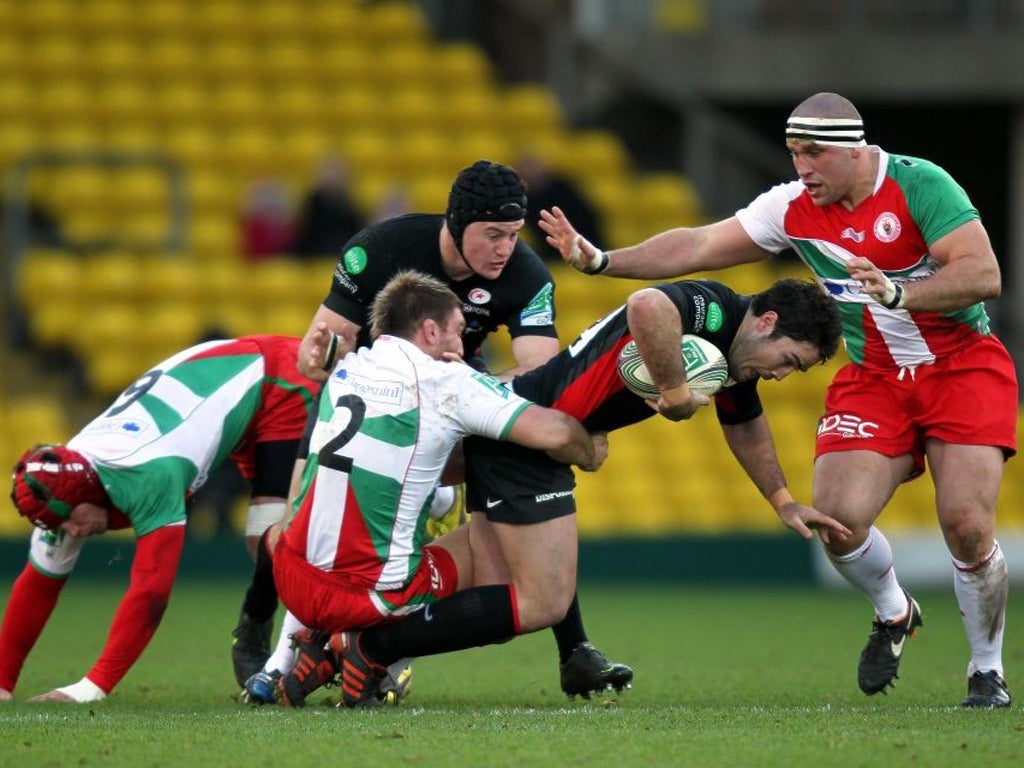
(546, 188)
(43, 230)
(395, 202)
(268, 224)
(328, 217)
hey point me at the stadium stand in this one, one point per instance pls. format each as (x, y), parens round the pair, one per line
(230, 95)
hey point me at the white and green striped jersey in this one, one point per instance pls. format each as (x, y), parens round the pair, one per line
(160, 439)
(389, 418)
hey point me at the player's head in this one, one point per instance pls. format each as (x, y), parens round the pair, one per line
(408, 300)
(825, 137)
(827, 119)
(485, 192)
(50, 481)
(804, 313)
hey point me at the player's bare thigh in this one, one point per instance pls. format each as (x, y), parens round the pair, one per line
(967, 480)
(854, 487)
(489, 566)
(541, 559)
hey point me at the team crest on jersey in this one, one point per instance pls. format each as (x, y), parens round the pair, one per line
(887, 227)
(479, 296)
(541, 309)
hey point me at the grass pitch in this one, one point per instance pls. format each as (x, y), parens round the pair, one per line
(737, 677)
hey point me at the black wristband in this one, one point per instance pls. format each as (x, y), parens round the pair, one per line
(602, 266)
(332, 350)
(897, 297)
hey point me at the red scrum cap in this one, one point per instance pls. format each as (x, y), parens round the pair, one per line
(50, 481)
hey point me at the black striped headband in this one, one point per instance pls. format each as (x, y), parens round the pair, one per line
(832, 131)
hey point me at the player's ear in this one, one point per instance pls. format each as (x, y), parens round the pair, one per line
(766, 322)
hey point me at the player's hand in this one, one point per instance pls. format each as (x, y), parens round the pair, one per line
(600, 441)
(5, 695)
(575, 249)
(873, 281)
(316, 345)
(679, 403)
(803, 519)
(54, 695)
(452, 357)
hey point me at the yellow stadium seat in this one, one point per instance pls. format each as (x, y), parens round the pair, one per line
(530, 108)
(393, 23)
(195, 146)
(119, 100)
(163, 17)
(112, 57)
(286, 61)
(60, 102)
(227, 60)
(298, 108)
(169, 326)
(469, 109)
(51, 57)
(110, 371)
(171, 279)
(214, 237)
(211, 194)
(42, 275)
(129, 136)
(170, 60)
(36, 419)
(667, 196)
(430, 192)
(595, 153)
(108, 327)
(181, 103)
(41, 16)
(16, 141)
(238, 105)
(405, 66)
(111, 277)
(426, 152)
(351, 108)
(302, 147)
(279, 281)
(461, 65)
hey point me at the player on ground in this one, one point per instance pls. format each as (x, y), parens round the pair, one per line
(475, 250)
(903, 252)
(391, 415)
(134, 466)
(790, 327)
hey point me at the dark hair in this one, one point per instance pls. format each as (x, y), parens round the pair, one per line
(407, 300)
(484, 191)
(806, 313)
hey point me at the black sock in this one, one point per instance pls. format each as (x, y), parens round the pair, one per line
(472, 617)
(569, 631)
(261, 597)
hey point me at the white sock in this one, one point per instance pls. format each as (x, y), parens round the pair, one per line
(283, 657)
(981, 590)
(870, 569)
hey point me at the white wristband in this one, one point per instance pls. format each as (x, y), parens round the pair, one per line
(893, 296)
(592, 265)
(83, 691)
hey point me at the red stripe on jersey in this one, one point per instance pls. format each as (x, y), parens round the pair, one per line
(598, 382)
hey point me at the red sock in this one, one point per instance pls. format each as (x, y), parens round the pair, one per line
(32, 600)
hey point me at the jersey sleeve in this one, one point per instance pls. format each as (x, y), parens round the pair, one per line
(738, 404)
(764, 218)
(535, 315)
(356, 278)
(936, 202)
(482, 405)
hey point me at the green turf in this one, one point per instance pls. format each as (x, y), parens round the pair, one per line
(737, 677)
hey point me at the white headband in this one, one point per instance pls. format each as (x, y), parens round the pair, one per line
(832, 131)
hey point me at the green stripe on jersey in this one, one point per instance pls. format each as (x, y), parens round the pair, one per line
(401, 429)
(375, 494)
(205, 375)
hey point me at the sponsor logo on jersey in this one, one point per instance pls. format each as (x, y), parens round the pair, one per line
(851, 234)
(122, 426)
(887, 227)
(542, 497)
(541, 309)
(479, 296)
(715, 316)
(341, 277)
(354, 260)
(469, 309)
(490, 383)
(377, 391)
(847, 425)
(834, 288)
(700, 313)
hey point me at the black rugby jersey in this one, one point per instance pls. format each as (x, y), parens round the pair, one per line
(583, 381)
(521, 298)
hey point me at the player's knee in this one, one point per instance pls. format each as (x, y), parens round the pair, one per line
(542, 608)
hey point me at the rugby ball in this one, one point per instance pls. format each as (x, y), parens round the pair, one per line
(705, 365)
